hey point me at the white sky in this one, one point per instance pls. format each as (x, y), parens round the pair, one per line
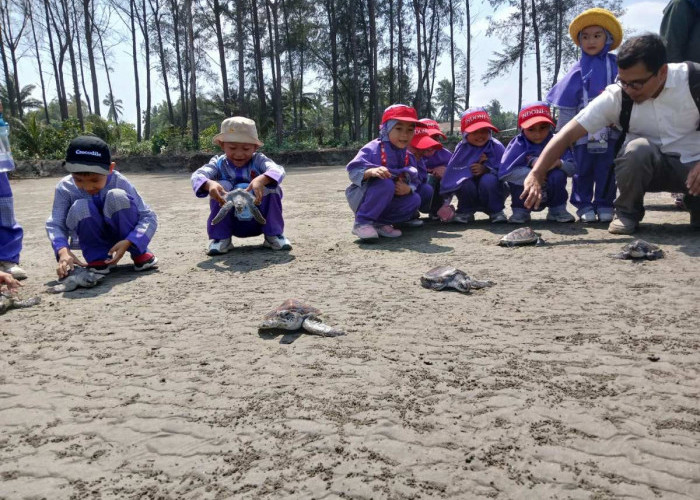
(641, 16)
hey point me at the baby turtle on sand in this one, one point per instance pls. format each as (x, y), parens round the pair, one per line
(639, 249)
(521, 236)
(8, 302)
(442, 277)
(294, 315)
(79, 277)
(243, 202)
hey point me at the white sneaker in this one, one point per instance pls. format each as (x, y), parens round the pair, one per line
(498, 217)
(365, 232)
(388, 231)
(220, 247)
(605, 215)
(463, 218)
(588, 217)
(13, 268)
(278, 242)
(520, 217)
(563, 216)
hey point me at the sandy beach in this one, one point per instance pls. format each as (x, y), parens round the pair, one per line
(575, 376)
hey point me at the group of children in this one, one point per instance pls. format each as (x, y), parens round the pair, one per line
(406, 171)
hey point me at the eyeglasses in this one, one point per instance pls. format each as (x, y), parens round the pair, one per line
(634, 84)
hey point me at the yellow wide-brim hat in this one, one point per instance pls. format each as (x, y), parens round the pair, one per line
(597, 17)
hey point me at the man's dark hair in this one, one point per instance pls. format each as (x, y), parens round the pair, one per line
(648, 49)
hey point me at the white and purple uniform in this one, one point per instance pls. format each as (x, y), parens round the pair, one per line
(11, 233)
(99, 221)
(483, 193)
(221, 170)
(373, 199)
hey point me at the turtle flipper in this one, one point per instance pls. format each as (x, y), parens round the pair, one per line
(28, 302)
(317, 327)
(257, 215)
(476, 285)
(223, 211)
(65, 285)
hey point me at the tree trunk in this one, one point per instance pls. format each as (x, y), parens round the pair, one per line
(155, 8)
(355, 76)
(241, 57)
(400, 61)
(391, 51)
(452, 66)
(260, 76)
(132, 8)
(222, 57)
(91, 54)
(109, 79)
(373, 118)
(333, 36)
(143, 24)
(538, 64)
(273, 27)
(419, 90)
(74, 68)
(174, 6)
(9, 84)
(469, 56)
(522, 53)
(11, 41)
(38, 60)
(58, 76)
(80, 57)
(292, 85)
(194, 117)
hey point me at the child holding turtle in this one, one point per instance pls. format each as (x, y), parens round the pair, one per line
(472, 173)
(384, 177)
(241, 166)
(104, 210)
(597, 32)
(535, 124)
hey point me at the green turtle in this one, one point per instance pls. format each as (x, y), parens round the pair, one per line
(293, 314)
(521, 236)
(8, 301)
(243, 202)
(441, 277)
(639, 249)
(79, 277)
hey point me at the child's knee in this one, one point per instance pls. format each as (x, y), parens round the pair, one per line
(79, 211)
(383, 186)
(116, 200)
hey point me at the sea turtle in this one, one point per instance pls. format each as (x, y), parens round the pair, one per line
(639, 249)
(294, 315)
(521, 236)
(8, 301)
(243, 202)
(442, 277)
(79, 277)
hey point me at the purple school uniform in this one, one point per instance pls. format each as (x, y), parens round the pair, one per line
(484, 193)
(224, 172)
(11, 233)
(99, 221)
(373, 200)
(424, 188)
(440, 158)
(516, 163)
(587, 78)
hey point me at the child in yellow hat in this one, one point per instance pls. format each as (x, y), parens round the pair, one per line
(597, 32)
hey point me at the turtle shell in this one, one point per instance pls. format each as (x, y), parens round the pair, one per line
(441, 273)
(640, 249)
(293, 305)
(521, 236)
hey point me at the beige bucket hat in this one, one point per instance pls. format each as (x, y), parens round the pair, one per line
(237, 129)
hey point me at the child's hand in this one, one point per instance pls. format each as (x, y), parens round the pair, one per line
(117, 252)
(478, 169)
(401, 188)
(257, 186)
(7, 280)
(438, 172)
(216, 191)
(66, 262)
(378, 172)
(483, 158)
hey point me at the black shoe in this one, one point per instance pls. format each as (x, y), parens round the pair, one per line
(692, 203)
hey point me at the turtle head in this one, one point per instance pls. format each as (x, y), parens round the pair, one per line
(284, 320)
(461, 283)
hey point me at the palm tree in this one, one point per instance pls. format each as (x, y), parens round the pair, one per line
(443, 100)
(115, 107)
(26, 101)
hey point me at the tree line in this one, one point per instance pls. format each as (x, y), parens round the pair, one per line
(320, 72)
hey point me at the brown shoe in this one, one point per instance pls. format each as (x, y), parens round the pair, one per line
(622, 225)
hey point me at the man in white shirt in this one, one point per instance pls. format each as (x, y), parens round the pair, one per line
(662, 152)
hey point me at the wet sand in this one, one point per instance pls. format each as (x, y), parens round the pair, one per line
(158, 384)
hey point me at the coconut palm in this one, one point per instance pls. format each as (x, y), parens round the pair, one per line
(26, 101)
(115, 107)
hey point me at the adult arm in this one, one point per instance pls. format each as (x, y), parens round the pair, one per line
(552, 153)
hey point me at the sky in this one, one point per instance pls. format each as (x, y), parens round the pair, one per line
(641, 16)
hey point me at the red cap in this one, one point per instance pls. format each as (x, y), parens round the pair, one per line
(401, 112)
(475, 119)
(422, 139)
(432, 127)
(536, 112)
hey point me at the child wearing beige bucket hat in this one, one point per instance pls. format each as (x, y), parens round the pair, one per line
(597, 31)
(241, 166)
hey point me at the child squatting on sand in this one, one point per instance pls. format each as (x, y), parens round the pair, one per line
(384, 177)
(100, 208)
(241, 166)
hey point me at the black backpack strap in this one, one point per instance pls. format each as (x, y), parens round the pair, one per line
(625, 114)
(694, 83)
